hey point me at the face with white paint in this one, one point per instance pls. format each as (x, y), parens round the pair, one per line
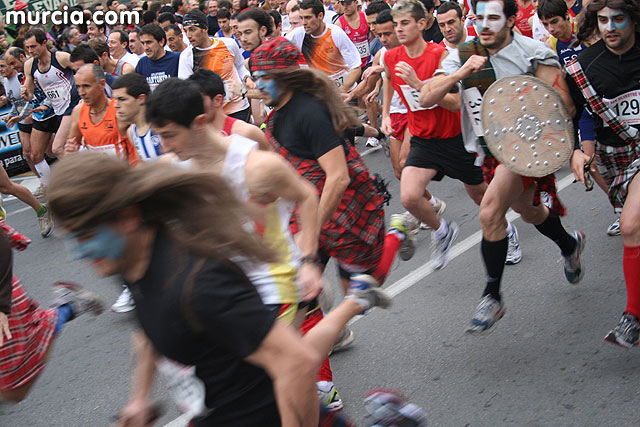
(616, 29)
(491, 24)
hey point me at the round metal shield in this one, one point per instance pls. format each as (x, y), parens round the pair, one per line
(526, 126)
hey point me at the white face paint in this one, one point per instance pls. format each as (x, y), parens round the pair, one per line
(490, 16)
(612, 19)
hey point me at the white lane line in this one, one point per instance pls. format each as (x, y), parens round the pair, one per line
(181, 421)
(18, 211)
(420, 273)
(370, 150)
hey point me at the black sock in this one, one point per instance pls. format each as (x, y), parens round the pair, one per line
(553, 229)
(494, 255)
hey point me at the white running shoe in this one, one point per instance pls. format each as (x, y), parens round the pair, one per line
(124, 303)
(329, 396)
(440, 247)
(614, 229)
(372, 142)
(514, 253)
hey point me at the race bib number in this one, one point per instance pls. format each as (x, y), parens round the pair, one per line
(472, 102)
(363, 49)
(103, 149)
(626, 107)
(411, 97)
(228, 90)
(187, 389)
(52, 94)
(339, 78)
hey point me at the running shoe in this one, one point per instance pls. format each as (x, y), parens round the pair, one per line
(387, 407)
(403, 224)
(439, 207)
(345, 339)
(514, 253)
(80, 300)
(626, 333)
(46, 223)
(372, 142)
(363, 281)
(440, 247)
(384, 142)
(124, 303)
(614, 229)
(366, 295)
(573, 265)
(330, 399)
(489, 311)
(40, 192)
(412, 223)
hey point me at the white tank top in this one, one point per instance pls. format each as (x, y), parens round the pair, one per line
(148, 146)
(58, 84)
(396, 105)
(538, 29)
(275, 282)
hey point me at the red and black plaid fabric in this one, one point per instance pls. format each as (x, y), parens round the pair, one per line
(622, 129)
(619, 166)
(546, 184)
(17, 240)
(277, 53)
(355, 232)
(23, 356)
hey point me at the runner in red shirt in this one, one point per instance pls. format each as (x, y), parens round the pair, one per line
(436, 146)
(525, 11)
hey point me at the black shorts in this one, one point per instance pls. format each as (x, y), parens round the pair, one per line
(50, 125)
(26, 128)
(243, 115)
(447, 156)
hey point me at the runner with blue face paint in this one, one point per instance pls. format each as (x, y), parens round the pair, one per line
(610, 69)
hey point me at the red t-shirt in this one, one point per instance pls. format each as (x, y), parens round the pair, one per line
(522, 20)
(435, 122)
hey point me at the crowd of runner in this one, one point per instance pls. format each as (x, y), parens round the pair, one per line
(208, 157)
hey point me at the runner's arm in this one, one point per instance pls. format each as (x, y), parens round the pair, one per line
(63, 59)
(127, 68)
(334, 165)
(28, 81)
(437, 87)
(274, 178)
(252, 132)
(74, 140)
(351, 79)
(137, 410)
(387, 94)
(554, 77)
(292, 367)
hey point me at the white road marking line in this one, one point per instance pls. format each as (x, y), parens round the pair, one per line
(18, 211)
(420, 273)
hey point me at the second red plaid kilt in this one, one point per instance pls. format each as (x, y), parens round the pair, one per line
(23, 356)
(619, 166)
(545, 184)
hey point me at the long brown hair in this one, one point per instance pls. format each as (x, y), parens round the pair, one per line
(588, 19)
(316, 84)
(198, 210)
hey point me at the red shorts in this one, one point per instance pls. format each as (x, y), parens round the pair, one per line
(23, 356)
(399, 124)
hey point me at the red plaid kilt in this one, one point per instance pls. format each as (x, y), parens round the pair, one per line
(23, 356)
(618, 167)
(355, 232)
(544, 184)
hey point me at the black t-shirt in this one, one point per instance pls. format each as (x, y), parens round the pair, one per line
(205, 313)
(611, 76)
(433, 34)
(303, 126)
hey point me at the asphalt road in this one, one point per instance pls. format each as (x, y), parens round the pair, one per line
(546, 363)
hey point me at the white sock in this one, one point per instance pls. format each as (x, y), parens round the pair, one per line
(44, 171)
(324, 386)
(509, 229)
(441, 232)
(433, 200)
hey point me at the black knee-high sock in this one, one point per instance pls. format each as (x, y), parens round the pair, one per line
(494, 254)
(553, 229)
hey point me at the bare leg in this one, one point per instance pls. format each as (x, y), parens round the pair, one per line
(630, 217)
(323, 336)
(412, 193)
(25, 141)
(22, 193)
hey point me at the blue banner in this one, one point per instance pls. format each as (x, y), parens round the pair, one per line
(10, 147)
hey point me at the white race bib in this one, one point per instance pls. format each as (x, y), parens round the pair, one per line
(626, 107)
(228, 90)
(104, 149)
(363, 48)
(339, 78)
(412, 97)
(187, 389)
(472, 103)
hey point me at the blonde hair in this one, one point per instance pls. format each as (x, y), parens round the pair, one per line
(411, 7)
(197, 210)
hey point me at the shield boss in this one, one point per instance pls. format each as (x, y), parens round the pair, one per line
(526, 126)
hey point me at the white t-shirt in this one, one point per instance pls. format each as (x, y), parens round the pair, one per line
(130, 58)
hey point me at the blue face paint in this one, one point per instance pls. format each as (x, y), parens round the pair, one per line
(106, 243)
(611, 20)
(269, 87)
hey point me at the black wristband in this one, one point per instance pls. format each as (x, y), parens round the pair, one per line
(381, 134)
(308, 259)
